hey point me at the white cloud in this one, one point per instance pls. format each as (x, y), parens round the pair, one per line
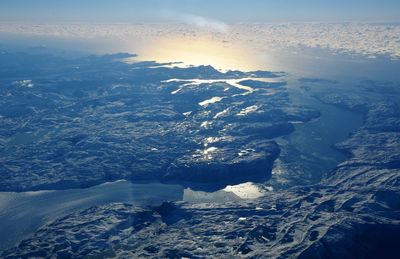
(202, 22)
(361, 38)
(195, 20)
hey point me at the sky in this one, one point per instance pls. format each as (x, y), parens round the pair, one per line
(218, 10)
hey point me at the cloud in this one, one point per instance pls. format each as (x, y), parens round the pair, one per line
(198, 21)
(367, 39)
(203, 22)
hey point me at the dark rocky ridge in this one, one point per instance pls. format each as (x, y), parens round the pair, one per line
(228, 166)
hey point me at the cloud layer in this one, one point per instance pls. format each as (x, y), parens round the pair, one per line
(354, 38)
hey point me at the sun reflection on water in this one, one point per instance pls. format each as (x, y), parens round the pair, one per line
(198, 51)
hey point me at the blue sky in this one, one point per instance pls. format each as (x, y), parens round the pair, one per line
(224, 10)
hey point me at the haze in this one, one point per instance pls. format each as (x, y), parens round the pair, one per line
(175, 10)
